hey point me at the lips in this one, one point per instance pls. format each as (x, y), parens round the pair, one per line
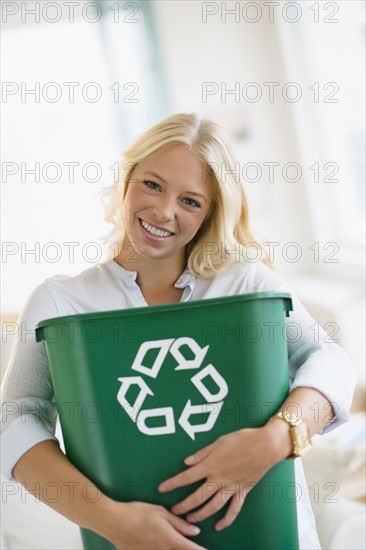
(155, 231)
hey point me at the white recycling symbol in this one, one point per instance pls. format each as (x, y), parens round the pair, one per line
(213, 401)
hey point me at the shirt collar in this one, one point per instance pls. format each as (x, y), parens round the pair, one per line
(185, 279)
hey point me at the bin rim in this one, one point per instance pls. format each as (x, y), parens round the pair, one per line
(161, 308)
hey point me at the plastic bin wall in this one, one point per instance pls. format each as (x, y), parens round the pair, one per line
(139, 390)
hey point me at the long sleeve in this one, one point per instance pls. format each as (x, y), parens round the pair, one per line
(28, 411)
(315, 360)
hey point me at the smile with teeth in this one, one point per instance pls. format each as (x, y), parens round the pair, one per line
(154, 230)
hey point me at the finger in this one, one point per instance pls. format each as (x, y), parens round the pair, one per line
(213, 506)
(187, 477)
(232, 512)
(198, 456)
(185, 529)
(181, 543)
(203, 493)
(184, 544)
(183, 526)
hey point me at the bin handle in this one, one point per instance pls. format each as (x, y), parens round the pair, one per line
(288, 306)
(39, 334)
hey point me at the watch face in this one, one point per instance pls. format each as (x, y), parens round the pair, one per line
(291, 418)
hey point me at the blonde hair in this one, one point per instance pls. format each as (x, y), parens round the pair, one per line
(225, 235)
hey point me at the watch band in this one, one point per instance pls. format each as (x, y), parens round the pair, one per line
(300, 437)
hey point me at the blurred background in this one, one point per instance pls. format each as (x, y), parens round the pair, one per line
(81, 80)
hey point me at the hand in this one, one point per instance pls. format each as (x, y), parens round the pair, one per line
(232, 465)
(141, 526)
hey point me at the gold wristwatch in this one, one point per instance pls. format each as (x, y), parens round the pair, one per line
(301, 442)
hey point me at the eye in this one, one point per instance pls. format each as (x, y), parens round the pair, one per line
(191, 202)
(151, 185)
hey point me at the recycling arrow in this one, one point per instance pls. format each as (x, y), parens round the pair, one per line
(217, 378)
(189, 410)
(144, 348)
(167, 428)
(183, 363)
(133, 409)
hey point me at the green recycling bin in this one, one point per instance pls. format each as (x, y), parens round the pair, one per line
(138, 390)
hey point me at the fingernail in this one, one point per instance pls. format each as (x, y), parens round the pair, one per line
(189, 460)
(163, 488)
(194, 529)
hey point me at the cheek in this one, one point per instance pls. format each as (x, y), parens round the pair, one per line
(193, 225)
(132, 202)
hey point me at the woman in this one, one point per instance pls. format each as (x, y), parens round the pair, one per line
(181, 232)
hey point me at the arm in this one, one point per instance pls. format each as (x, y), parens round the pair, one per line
(235, 462)
(127, 525)
(317, 418)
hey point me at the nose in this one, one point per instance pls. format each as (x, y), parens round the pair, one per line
(163, 209)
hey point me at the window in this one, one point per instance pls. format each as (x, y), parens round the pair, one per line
(75, 92)
(330, 44)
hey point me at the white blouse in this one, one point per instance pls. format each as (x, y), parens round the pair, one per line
(29, 413)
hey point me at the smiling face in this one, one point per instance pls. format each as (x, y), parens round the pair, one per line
(168, 197)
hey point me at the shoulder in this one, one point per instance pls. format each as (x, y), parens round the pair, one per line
(66, 295)
(254, 276)
(87, 279)
(241, 278)
(266, 279)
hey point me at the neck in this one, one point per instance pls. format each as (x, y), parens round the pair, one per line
(157, 275)
(153, 275)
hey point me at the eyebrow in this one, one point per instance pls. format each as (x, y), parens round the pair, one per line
(188, 192)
